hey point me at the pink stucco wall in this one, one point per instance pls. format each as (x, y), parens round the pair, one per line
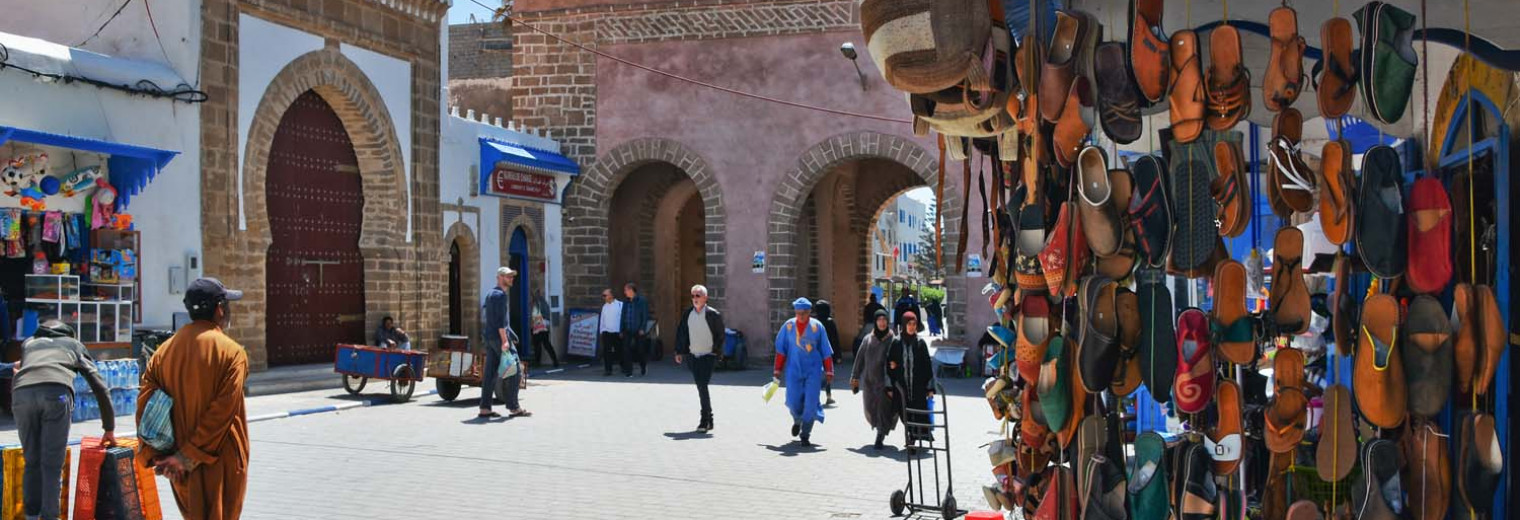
(750, 144)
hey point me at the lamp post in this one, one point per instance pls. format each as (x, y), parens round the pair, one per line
(848, 50)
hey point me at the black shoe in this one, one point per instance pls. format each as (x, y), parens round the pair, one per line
(702, 427)
(805, 441)
(796, 429)
(709, 424)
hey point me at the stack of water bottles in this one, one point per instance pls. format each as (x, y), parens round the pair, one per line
(121, 376)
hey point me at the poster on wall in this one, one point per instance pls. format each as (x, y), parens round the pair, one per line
(516, 183)
(582, 332)
(757, 265)
(974, 265)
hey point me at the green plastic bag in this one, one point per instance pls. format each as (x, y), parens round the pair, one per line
(769, 390)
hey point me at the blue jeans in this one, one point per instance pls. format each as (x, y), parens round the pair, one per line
(489, 376)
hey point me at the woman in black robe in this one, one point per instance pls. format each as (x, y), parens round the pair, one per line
(824, 312)
(911, 372)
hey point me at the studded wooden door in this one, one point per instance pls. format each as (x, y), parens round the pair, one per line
(314, 271)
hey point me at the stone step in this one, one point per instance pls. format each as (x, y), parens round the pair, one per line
(290, 379)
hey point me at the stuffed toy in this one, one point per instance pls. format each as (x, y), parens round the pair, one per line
(103, 205)
(23, 180)
(80, 181)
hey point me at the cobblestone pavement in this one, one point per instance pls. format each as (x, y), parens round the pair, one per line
(596, 448)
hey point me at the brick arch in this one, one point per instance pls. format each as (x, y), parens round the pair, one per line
(811, 167)
(469, 254)
(589, 201)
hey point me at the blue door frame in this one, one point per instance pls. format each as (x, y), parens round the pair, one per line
(522, 324)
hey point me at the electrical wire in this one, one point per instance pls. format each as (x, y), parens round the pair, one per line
(768, 99)
(147, 7)
(107, 22)
(182, 92)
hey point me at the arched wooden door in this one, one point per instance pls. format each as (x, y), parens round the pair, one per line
(314, 270)
(519, 297)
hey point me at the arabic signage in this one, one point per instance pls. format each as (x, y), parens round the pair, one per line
(506, 181)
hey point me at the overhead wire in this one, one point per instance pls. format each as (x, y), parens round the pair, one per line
(108, 21)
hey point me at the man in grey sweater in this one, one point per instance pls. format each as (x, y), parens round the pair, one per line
(43, 401)
(699, 337)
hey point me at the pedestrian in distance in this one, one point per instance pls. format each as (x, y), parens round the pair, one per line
(912, 375)
(203, 370)
(804, 356)
(699, 343)
(867, 319)
(609, 329)
(541, 343)
(43, 402)
(499, 340)
(825, 312)
(635, 316)
(391, 336)
(905, 304)
(870, 375)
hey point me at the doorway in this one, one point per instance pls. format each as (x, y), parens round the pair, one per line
(456, 290)
(517, 249)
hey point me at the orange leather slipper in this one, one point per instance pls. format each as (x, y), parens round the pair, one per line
(1285, 65)
(1237, 342)
(1378, 374)
(1335, 201)
(1187, 97)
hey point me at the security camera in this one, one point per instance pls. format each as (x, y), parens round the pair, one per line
(848, 50)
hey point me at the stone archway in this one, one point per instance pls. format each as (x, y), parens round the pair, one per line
(789, 206)
(461, 235)
(382, 238)
(588, 206)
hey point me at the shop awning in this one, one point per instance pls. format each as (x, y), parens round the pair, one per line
(529, 159)
(130, 167)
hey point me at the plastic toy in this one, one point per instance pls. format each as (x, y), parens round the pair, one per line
(79, 181)
(23, 181)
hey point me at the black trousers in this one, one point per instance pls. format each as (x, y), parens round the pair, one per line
(541, 344)
(612, 348)
(633, 352)
(701, 372)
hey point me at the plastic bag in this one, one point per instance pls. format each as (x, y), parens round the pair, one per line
(769, 390)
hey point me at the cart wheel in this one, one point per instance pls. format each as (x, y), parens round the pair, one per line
(354, 384)
(402, 384)
(899, 502)
(448, 390)
(947, 508)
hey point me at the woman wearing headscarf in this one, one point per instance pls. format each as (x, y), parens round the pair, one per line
(870, 373)
(824, 311)
(912, 374)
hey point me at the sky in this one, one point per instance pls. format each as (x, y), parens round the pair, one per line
(462, 9)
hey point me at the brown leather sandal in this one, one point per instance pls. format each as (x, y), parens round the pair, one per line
(1336, 452)
(1285, 66)
(1230, 189)
(1149, 50)
(1229, 83)
(1465, 349)
(1378, 374)
(1290, 185)
(1232, 322)
(1336, 88)
(1289, 298)
(1428, 473)
(1187, 98)
(1335, 203)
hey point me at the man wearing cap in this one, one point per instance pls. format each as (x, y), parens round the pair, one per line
(804, 355)
(499, 338)
(203, 371)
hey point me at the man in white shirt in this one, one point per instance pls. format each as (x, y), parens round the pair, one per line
(700, 336)
(610, 329)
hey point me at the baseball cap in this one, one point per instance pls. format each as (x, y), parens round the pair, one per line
(209, 291)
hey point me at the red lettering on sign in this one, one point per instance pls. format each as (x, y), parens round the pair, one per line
(505, 181)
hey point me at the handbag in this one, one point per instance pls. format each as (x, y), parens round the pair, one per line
(156, 428)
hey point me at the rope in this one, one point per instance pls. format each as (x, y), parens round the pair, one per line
(768, 99)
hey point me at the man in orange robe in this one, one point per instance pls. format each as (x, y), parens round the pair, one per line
(203, 370)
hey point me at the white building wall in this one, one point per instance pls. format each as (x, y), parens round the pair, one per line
(167, 212)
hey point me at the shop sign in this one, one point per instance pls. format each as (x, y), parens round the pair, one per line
(516, 183)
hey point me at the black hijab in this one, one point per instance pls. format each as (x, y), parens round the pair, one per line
(880, 333)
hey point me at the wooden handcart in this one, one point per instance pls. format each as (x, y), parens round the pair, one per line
(359, 363)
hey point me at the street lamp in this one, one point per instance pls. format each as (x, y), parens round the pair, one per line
(848, 50)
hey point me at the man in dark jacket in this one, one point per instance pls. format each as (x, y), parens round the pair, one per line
(635, 315)
(700, 335)
(43, 398)
(905, 304)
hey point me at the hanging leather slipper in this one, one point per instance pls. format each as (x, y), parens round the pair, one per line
(1336, 452)
(1074, 35)
(1118, 98)
(1225, 440)
(1193, 205)
(1060, 492)
(1066, 435)
(1104, 494)
(1285, 65)
(1229, 83)
(1286, 419)
(1387, 59)
(1304, 510)
(1090, 435)
(1130, 327)
(1098, 346)
(1274, 494)
(1148, 479)
(1428, 472)
(1233, 325)
(1197, 495)
(1034, 336)
(1290, 184)
(1482, 462)
(1378, 373)
(1230, 189)
(1343, 306)
(1430, 214)
(1149, 51)
(1490, 325)
(1336, 88)
(1118, 265)
(1054, 387)
(1065, 253)
(1187, 97)
(1287, 369)
(1377, 492)
(1098, 209)
(1464, 321)
(1033, 431)
(1028, 242)
(1427, 356)
(1150, 213)
(1380, 229)
(1335, 198)
(1075, 123)
(1158, 342)
(1194, 387)
(1289, 297)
